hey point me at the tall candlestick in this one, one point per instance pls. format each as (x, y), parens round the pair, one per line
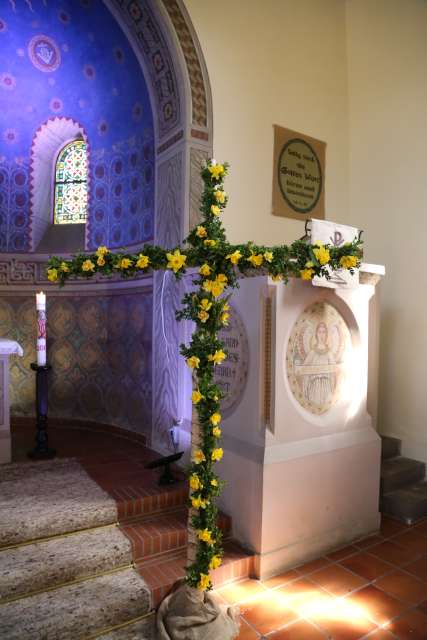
(41, 328)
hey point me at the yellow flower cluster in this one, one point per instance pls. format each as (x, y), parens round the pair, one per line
(196, 396)
(205, 270)
(124, 263)
(348, 262)
(201, 231)
(220, 196)
(88, 265)
(217, 357)
(217, 286)
(195, 483)
(234, 257)
(199, 503)
(217, 454)
(217, 171)
(322, 254)
(176, 260)
(52, 274)
(205, 536)
(215, 562)
(215, 419)
(306, 274)
(215, 210)
(256, 259)
(193, 362)
(205, 582)
(143, 261)
(199, 457)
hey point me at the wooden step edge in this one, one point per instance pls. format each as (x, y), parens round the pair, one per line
(58, 536)
(93, 576)
(122, 625)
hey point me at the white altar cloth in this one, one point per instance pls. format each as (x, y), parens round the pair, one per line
(10, 347)
(7, 348)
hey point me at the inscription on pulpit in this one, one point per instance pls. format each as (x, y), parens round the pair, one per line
(317, 357)
(231, 375)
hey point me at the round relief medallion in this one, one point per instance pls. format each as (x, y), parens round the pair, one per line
(44, 53)
(62, 356)
(318, 348)
(92, 318)
(232, 374)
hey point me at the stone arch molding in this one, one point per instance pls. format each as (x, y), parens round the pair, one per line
(47, 142)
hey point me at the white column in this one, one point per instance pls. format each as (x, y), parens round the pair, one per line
(7, 348)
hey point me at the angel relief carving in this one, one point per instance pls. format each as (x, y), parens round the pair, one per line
(318, 349)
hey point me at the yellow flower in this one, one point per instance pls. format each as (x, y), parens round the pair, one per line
(196, 396)
(193, 362)
(143, 261)
(205, 270)
(234, 257)
(348, 262)
(214, 482)
(215, 419)
(52, 274)
(216, 431)
(221, 277)
(201, 232)
(256, 259)
(199, 457)
(176, 260)
(306, 274)
(205, 304)
(125, 263)
(199, 503)
(220, 196)
(195, 483)
(101, 261)
(216, 171)
(217, 454)
(215, 210)
(203, 316)
(226, 307)
(224, 317)
(322, 254)
(214, 287)
(204, 582)
(217, 357)
(268, 256)
(205, 535)
(88, 265)
(215, 562)
(64, 267)
(101, 251)
(277, 278)
(209, 243)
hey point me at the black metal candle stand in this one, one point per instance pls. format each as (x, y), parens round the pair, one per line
(41, 451)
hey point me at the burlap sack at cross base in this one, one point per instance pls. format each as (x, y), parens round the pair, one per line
(190, 614)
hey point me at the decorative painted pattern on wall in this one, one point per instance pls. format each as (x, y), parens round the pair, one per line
(197, 84)
(100, 350)
(74, 61)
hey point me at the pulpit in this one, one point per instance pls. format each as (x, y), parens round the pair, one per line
(301, 451)
(7, 348)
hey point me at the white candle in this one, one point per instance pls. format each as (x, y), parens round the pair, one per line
(41, 328)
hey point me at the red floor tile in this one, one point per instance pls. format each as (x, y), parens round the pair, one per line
(241, 591)
(367, 566)
(412, 540)
(337, 580)
(281, 579)
(267, 612)
(391, 552)
(418, 568)
(411, 626)
(403, 586)
(344, 552)
(246, 632)
(313, 565)
(390, 527)
(301, 630)
(376, 604)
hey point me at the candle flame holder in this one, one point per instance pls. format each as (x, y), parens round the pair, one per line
(41, 451)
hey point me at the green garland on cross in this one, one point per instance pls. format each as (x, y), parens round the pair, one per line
(219, 265)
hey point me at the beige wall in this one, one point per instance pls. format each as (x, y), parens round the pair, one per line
(274, 62)
(387, 58)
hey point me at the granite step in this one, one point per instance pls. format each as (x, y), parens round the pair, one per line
(162, 533)
(43, 565)
(78, 611)
(390, 447)
(398, 472)
(408, 504)
(161, 572)
(144, 629)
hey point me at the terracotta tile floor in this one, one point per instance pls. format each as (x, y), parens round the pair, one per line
(374, 589)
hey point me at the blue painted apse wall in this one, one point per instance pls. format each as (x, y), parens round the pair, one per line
(70, 58)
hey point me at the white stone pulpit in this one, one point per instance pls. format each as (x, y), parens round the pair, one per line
(301, 451)
(7, 348)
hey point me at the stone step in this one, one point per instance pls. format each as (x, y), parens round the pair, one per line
(390, 447)
(78, 611)
(43, 499)
(144, 629)
(398, 472)
(42, 565)
(160, 573)
(408, 504)
(162, 533)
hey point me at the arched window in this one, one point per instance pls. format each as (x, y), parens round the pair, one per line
(70, 204)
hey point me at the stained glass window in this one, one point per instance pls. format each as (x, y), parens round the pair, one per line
(71, 184)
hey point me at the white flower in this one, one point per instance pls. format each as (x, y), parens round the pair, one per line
(213, 162)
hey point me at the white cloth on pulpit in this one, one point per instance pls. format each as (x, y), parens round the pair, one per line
(10, 347)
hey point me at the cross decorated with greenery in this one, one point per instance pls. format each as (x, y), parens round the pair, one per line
(217, 267)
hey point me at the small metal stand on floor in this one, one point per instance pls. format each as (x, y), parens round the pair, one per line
(41, 451)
